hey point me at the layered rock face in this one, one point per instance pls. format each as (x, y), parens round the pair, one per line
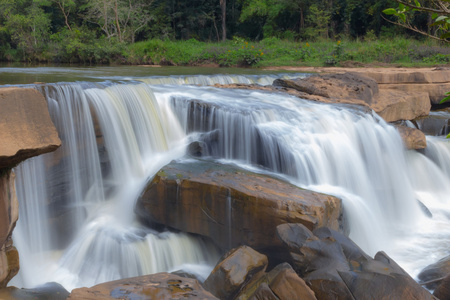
(232, 206)
(26, 130)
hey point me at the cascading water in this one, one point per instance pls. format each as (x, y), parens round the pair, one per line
(91, 183)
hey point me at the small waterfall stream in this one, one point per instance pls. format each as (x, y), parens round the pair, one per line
(77, 225)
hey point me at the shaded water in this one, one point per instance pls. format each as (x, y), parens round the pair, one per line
(87, 189)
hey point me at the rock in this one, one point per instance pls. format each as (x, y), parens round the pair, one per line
(443, 290)
(51, 290)
(347, 86)
(9, 213)
(287, 285)
(230, 205)
(237, 267)
(409, 77)
(393, 105)
(436, 123)
(436, 91)
(336, 268)
(280, 283)
(26, 129)
(412, 138)
(155, 286)
(435, 273)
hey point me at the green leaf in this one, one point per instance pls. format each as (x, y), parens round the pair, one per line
(448, 136)
(403, 17)
(417, 3)
(401, 7)
(434, 15)
(441, 18)
(389, 11)
(444, 100)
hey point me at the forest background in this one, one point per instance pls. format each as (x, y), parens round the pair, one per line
(227, 33)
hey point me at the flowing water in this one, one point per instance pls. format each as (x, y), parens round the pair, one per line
(77, 225)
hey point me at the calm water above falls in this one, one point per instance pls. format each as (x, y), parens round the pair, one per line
(327, 148)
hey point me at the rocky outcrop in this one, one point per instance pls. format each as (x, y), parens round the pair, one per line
(336, 268)
(352, 88)
(26, 130)
(412, 138)
(230, 205)
(156, 286)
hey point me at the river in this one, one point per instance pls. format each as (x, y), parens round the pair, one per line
(77, 225)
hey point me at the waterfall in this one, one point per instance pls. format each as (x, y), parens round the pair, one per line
(116, 137)
(334, 149)
(78, 202)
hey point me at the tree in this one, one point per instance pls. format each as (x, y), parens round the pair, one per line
(120, 18)
(223, 7)
(440, 14)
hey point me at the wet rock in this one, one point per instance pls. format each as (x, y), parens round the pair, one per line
(230, 205)
(156, 286)
(435, 273)
(336, 268)
(412, 138)
(435, 91)
(286, 284)
(26, 129)
(237, 267)
(51, 290)
(443, 290)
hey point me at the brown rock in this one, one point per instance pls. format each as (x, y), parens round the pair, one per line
(394, 105)
(436, 91)
(263, 292)
(399, 77)
(230, 205)
(237, 267)
(349, 86)
(156, 286)
(412, 138)
(26, 129)
(9, 213)
(287, 285)
(443, 289)
(435, 273)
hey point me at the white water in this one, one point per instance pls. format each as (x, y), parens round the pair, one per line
(332, 149)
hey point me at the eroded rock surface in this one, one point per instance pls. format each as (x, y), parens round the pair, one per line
(435, 273)
(230, 205)
(156, 286)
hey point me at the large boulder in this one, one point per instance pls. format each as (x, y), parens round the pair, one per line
(26, 129)
(230, 205)
(51, 290)
(155, 286)
(336, 268)
(236, 269)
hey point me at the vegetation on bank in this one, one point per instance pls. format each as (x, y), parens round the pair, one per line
(277, 52)
(188, 32)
